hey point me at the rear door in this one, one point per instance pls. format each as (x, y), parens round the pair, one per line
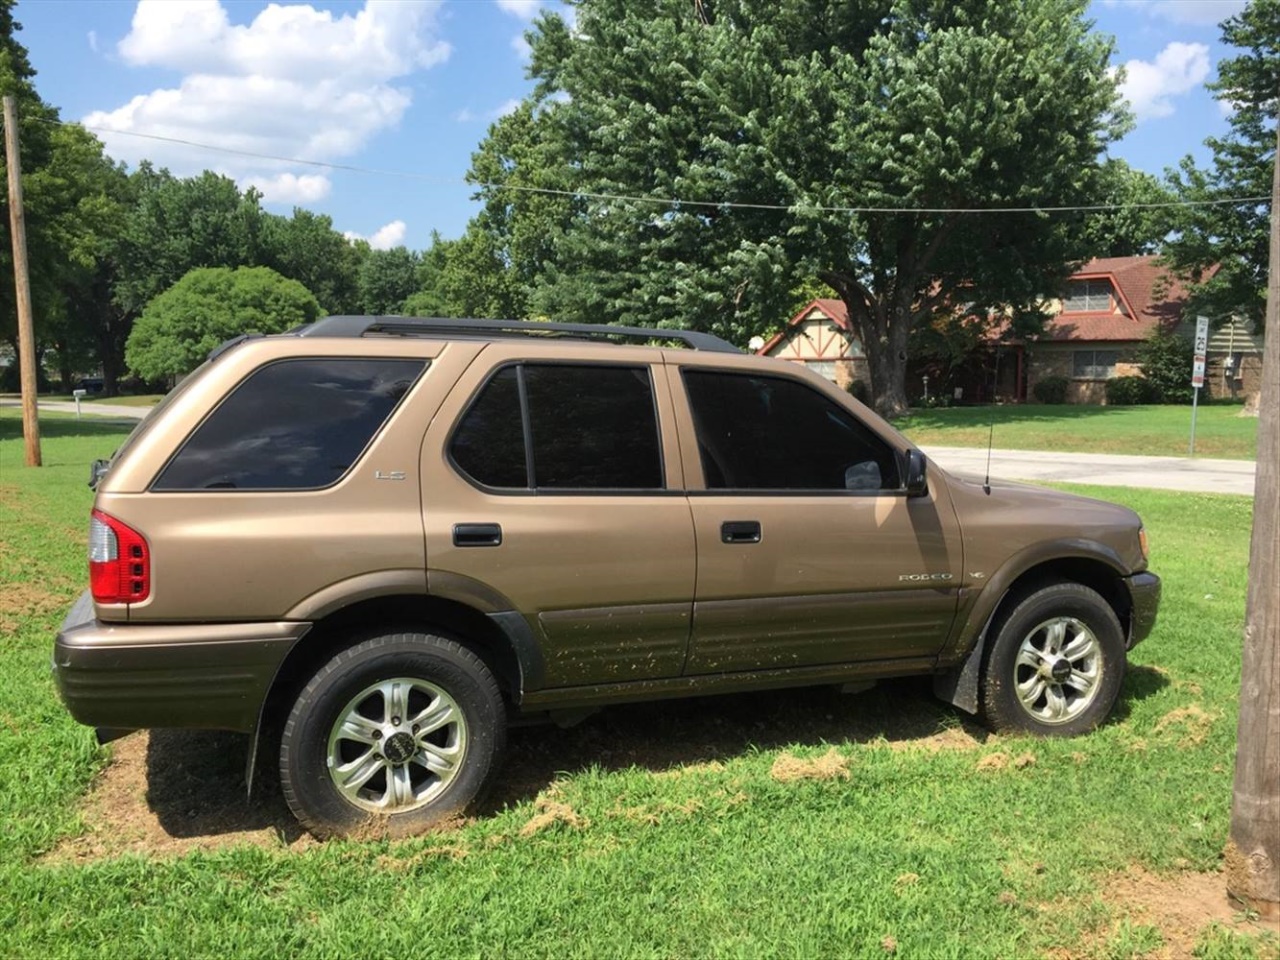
(809, 550)
(554, 480)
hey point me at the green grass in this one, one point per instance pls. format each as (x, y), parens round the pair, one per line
(672, 854)
(1153, 430)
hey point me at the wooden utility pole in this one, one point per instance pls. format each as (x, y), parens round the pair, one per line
(1253, 854)
(26, 335)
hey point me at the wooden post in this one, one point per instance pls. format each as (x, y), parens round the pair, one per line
(1253, 853)
(22, 283)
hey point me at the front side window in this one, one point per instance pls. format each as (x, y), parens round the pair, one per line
(773, 433)
(1094, 364)
(589, 428)
(291, 425)
(1087, 295)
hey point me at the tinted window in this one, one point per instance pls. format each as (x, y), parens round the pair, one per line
(772, 433)
(294, 425)
(489, 443)
(593, 427)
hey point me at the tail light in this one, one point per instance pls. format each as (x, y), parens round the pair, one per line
(119, 561)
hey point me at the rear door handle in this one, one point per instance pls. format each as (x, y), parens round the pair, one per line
(477, 535)
(740, 531)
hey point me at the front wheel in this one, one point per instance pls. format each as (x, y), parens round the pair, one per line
(391, 736)
(1056, 663)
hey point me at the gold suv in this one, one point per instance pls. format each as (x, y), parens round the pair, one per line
(380, 537)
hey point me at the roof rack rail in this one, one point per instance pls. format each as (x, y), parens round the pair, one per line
(349, 326)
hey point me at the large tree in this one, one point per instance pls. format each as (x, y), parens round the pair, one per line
(816, 107)
(1233, 236)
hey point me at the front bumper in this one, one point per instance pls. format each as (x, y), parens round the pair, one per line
(129, 676)
(1144, 591)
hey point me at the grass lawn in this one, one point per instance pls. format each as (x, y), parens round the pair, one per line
(801, 823)
(1153, 430)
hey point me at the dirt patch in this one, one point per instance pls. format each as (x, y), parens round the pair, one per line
(690, 770)
(1193, 721)
(1179, 906)
(830, 766)
(993, 761)
(550, 813)
(952, 738)
(22, 600)
(166, 793)
(408, 863)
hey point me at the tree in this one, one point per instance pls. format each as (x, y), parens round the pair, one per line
(306, 248)
(806, 105)
(208, 306)
(387, 278)
(1133, 227)
(1233, 237)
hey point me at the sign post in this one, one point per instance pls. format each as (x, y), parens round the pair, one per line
(1197, 374)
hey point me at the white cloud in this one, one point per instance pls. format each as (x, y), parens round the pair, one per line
(295, 82)
(1197, 12)
(524, 9)
(384, 238)
(522, 48)
(288, 188)
(1150, 86)
(93, 40)
(506, 107)
(464, 115)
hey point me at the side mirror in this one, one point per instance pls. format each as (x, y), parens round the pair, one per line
(917, 474)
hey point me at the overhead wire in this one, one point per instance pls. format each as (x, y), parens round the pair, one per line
(664, 201)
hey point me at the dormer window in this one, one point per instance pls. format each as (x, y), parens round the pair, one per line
(1087, 295)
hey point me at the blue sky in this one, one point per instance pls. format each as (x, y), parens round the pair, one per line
(411, 87)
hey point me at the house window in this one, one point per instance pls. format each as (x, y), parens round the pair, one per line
(1085, 295)
(823, 368)
(1094, 364)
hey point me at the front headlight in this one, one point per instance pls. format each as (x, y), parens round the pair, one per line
(1142, 542)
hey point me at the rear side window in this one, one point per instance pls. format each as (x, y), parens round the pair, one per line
(562, 427)
(774, 433)
(292, 425)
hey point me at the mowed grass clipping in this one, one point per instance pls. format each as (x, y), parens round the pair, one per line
(1151, 430)
(795, 823)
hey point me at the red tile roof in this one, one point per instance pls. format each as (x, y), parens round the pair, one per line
(1134, 282)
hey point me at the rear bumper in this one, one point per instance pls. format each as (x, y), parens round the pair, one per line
(1144, 590)
(128, 676)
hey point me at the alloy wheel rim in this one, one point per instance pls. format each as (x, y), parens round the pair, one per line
(1057, 672)
(397, 745)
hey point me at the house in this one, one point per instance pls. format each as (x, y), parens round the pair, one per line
(1110, 308)
(821, 337)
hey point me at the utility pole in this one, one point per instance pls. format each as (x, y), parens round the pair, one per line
(26, 335)
(1253, 853)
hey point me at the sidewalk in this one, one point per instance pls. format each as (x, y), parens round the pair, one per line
(86, 409)
(1163, 473)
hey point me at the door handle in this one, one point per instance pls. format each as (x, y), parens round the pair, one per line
(740, 531)
(477, 535)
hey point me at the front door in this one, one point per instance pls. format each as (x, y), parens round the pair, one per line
(809, 550)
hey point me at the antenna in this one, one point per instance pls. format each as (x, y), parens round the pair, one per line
(991, 428)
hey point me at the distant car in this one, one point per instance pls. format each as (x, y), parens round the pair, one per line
(383, 536)
(91, 384)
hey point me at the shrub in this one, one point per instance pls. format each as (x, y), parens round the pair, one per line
(1166, 363)
(1127, 391)
(860, 391)
(1051, 390)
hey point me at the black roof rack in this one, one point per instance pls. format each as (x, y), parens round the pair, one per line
(454, 327)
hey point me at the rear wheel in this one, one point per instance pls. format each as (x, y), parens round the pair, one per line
(1056, 663)
(391, 736)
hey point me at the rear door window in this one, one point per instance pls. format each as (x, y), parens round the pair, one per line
(292, 425)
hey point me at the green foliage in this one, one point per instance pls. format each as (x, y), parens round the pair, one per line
(859, 391)
(804, 105)
(386, 279)
(1051, 389)
(209, 305)
(305, 247)
(1129, 391)
(1166, 364)
(1133, 228)
(1221, 249)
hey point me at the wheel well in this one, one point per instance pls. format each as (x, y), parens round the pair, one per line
(349, 625)
(1094, 574)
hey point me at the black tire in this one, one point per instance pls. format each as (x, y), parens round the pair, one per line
(1047, 698)
(427, 767)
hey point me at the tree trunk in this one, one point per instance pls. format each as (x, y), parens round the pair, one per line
(1253, 853)
(886, 351)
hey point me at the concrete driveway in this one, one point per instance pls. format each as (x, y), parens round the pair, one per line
(1115, 470)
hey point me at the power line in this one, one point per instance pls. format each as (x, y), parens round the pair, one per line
(664, 201)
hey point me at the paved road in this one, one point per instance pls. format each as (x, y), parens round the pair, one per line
(1165, 473)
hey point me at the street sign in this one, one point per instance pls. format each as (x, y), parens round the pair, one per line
(1201, 349)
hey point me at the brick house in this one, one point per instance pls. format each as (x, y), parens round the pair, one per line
(1111, 306)
(821, 337)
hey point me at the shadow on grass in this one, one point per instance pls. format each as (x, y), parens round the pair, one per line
(1006, 413)
(53, 429)
(195, 784)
